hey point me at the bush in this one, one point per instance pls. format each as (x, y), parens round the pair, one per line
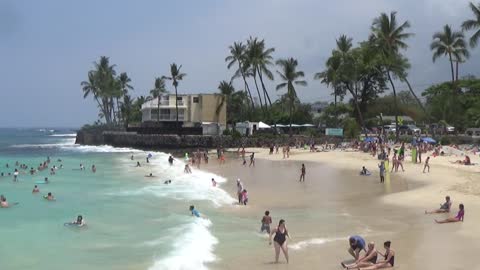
(445, 140)
(236, 134)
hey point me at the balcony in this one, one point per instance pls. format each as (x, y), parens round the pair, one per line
(168, 117)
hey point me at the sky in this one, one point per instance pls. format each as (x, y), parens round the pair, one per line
(47, 47)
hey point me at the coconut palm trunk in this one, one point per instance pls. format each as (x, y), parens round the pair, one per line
(415, 96)
(158, 109)
(258, 92)
(397, 131)
(247, 88)
(176, 110)
(267, 96)
(451, 66)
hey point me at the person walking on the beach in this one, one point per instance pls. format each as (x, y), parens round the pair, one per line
(302, 173)
(244, 197)
(280, 240)
(239, 190)
(357, 244)
(187, 169)
(426, 165)
(252, 160)
(284, 151)
(266, 221)
(381, 166)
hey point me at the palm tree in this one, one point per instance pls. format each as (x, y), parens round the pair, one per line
(90, 87)
(237, 55)
(175, 76)
(260, 58)
(251, 53)
(124, 81)
(330, 77)
(226, 90)
(473, 24)
(290, 75)
(156, 92)
(389, 37)
(449, 43)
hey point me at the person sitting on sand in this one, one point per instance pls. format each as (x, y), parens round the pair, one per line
(3, 202)
(266, 221)
(357, 244)
(369, 259)
(187, 169)
(35, 189)
(280, 240)
(49, 197)
(194, 211)
(457, 218)
(364, 171)
(444, 208)
(466, 161)
(387, 262)
(214, 183)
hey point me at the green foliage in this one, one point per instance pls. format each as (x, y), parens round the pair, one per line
(351, 129)
(445, 140)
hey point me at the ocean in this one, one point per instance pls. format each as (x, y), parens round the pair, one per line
(133, 222)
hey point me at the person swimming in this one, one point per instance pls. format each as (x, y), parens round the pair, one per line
(194, 211)
(3, 202)
(49, 197)
(167, 182)
(35, 189)
(46, 180)
(79, 221)
(138, 164)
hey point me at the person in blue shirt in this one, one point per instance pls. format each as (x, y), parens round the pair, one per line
(357, 244)
(194, 211)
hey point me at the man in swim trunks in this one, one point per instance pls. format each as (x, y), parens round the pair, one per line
(302, 173)
(49, 197)
(266, 221)
(357, 244)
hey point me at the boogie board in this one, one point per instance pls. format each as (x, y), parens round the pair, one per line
(71, 224)
(41, 182)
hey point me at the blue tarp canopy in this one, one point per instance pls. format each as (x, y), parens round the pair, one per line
(369, 139)
(428, 140)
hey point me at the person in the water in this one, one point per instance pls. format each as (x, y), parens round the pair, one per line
(194, 211)
(49, 197)
(150, 175)
(280, 240)
(35, 189)
(3, 202)
(167, 182)
(214, 183)
(94, 169)
(170, 160)
(187, 169)
(79, 221)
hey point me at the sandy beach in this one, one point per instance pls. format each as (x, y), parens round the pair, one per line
(335, 202)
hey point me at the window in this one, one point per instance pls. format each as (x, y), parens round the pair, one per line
(179, 98)
(195, 99)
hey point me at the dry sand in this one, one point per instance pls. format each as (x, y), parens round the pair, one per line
(336, 202)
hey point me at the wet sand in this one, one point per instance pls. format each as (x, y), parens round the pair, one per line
(333, 203)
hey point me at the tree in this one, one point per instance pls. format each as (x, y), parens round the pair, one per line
(251, 55)
(175, 76)
(156, 92)
(259, 58)
(125, 86)
(449, 43)
(389, 37)
(237, 55)
(226, 90)
(473, 24)
(290, 75)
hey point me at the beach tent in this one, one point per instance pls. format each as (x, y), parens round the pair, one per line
(428, 140)
(262, 125)
(307, 125)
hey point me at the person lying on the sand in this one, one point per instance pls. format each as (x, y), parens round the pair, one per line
(389, 258)
(457, 218)
(369, 259)
(466, 161)
(444, 208)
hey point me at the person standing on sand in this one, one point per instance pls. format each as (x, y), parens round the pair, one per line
(426, 165)
(394, 162)
(280, 240)
(302, 173)
(284, 151)
(288, 151)
(266, 221)
(381, 166)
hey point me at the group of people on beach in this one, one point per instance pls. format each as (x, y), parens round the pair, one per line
(370, 259)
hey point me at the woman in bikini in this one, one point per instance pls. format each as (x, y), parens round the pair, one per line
(369, 259)
(459, 217)
(280, 240)
(387, 262)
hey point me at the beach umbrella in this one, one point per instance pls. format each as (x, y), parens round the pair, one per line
(429, 140)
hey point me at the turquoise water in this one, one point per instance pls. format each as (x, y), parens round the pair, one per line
(133, 222)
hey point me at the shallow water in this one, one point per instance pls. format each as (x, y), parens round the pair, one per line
(133, 222)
